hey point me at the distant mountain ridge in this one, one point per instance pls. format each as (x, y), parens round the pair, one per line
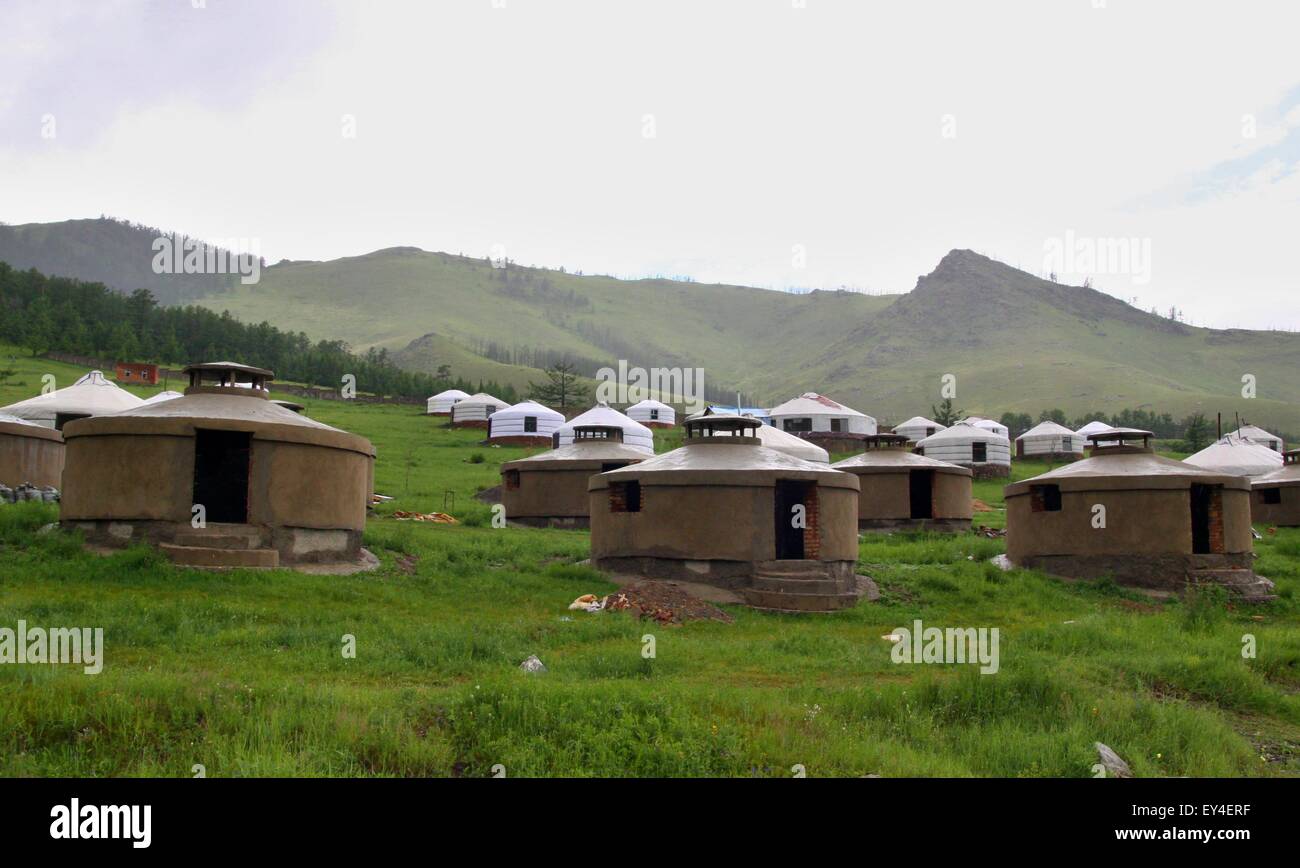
(1012, 341)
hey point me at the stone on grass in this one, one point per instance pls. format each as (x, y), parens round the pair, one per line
(532, 664)
(1115, 767)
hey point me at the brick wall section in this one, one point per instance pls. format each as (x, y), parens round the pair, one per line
(623, 494)
(1216, 520)
(812, 538)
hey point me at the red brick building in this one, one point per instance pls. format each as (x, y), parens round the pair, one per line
(141, 374)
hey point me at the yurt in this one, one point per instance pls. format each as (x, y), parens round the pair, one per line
(1050, 441)
(160, 397)
(635, 434)
(266, 486)
(823, 421)
(441, 403)
(727, 511)
(92, 395)
(1096, 426)
(760, 413)
(29, 453)
(524, 424)
(901, 490)
(474, 411)
(1134, 516)
(1256, 434)
(1275, 497)
(987, 425)
(550, 489)
(1237, 457)
(289, 405)
(652, 414)
(918, 428)
(986, 454)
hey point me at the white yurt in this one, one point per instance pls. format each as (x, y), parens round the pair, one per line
(984, 452)
(774, 438)
(1237, 457)
(635, 435)
(918, 428)
(1049, 440)
(160, 397)
(92, 395)
(1096, 426)
(527, 420)
(987, 425)
(1256, 434)
(441, 403)
(473, 411)
(817, 414)
(654, 414)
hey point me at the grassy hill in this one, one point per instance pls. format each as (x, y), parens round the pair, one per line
(1014, 342)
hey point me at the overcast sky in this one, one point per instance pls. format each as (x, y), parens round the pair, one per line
(779, 143)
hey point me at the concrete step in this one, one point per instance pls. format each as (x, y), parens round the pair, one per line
(212, 540)
(1245, 583)
(778, 601)
(205, 556)
(800, 585)
(794, 569)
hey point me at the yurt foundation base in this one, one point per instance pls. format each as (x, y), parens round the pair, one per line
(232, 545)
(782, 586)
(533, 442)
(562, 522)
(1162, 575)
(987, 471)
(932, 525)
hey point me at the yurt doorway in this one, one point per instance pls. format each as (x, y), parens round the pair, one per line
(789, 533)
(1206, 502)
(221, 474)
(920, 485)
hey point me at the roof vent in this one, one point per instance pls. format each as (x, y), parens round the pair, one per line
(228, 378)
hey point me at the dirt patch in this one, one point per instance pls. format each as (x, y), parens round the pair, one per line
(406, 563)
(489, 495)
(980, 506)
(664, 602)
(1135, 606)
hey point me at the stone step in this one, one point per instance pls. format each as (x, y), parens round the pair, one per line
(777, 601)
(1246, 583)
(212, 539)
(204, 556)
(795, 569)
(799, 585)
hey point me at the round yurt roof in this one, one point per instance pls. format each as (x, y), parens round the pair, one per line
(15, 426)
(898, 460)
(528, 408)
(963, 432)
(483, 398)
(1288, 474)
(449, 393)
(1254, 433)
(162, 396)
(596, 452)
(1238, 457)
(812, 404)
(240, 410)
(1127, 468)
(1094, 427)
(649, 404)
(91, 395)
(985, 424)
(921, 422)
(774, 438)
(1047, 430)
(635, 435)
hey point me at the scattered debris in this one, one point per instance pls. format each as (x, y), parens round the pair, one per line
(1115, 767)
(990, 532)
(406, 563)
(380, 498)
(439, 517)
(1256, 534)
(1002, 562)
(587, 603)
(663, 602)
(532, 664)
(980, 506)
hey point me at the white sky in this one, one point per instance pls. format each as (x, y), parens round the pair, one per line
(775, 126)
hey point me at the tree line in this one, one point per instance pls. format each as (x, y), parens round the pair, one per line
(45, 314)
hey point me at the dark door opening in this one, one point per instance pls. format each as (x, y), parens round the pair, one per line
(789, 538)
(1202, 496)
(920, 485)
(221, 474)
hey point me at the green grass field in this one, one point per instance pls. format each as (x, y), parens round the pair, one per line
(242, 672)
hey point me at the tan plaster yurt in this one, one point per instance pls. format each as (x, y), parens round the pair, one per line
(635, 434)
(823, 421)
(652, 414)
(1237, 457)
(271, 487)
(441, 403)
(550, 489)
(918, 428)
(1275, 497)
(474, 411)
(1136, 517)
(29, 453)
(901, 490)
(724, 510)
(91, 395)
(524, 424)
(1049, 441)
(985, 453)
